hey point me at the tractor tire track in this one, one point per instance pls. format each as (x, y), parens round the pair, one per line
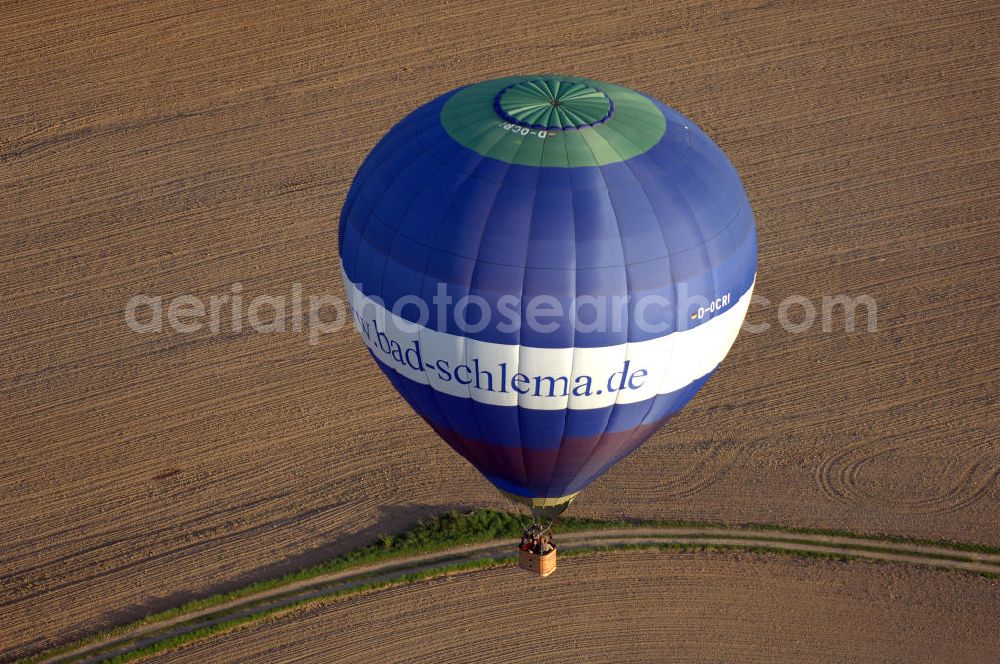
(396, 570)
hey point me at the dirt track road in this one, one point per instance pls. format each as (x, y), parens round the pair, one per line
(653, 606)
(177, 148)
(934, 557)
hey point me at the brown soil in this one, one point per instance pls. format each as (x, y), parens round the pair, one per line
(168, 149)
(643, 607)
(278, 599)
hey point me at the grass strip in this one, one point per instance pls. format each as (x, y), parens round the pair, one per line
(455, 529)
(218, 628)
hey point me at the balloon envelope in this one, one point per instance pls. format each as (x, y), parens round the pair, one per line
(547, 268)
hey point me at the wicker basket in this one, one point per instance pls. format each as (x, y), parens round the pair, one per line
(543, 565)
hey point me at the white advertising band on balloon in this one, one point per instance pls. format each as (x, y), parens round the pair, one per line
(545, 378)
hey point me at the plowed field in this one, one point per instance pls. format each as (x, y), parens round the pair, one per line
(644, 607)
(174, 148)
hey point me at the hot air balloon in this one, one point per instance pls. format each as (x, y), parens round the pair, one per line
(547, 268)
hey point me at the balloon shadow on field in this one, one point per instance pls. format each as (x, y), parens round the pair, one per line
(392, 520)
